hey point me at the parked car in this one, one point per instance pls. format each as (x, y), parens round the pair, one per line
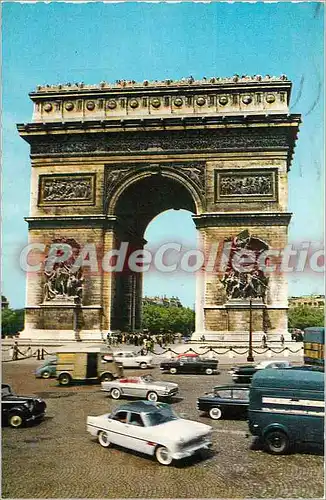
(190, 365)
(17, 410)
(243, 374)
(47, 369)
(226, 400)
(130, 359)
(151, 428)
(140, 387)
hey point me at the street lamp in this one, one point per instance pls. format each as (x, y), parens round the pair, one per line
(250, 353)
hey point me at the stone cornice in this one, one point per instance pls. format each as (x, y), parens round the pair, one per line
(242, 218)
(183, 98)
(73, 221)
(146, 123)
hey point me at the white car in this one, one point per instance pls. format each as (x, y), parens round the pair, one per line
(151, 428)
(130, 359)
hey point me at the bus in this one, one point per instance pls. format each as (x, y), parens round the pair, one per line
(313, 346)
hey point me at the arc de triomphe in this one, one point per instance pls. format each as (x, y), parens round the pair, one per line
(106, 159)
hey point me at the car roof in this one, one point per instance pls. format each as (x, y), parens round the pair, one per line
(232, 386)
(138, 407)
(287, 378)
(270, 361)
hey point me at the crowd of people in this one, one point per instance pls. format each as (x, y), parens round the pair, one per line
(143, 339)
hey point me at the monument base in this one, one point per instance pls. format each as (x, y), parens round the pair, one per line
(36, 335)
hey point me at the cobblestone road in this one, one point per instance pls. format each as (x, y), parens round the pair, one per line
(59, 459)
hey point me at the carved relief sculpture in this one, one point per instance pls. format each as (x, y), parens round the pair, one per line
(242, 284)
(232, 185)
(63, 281)
(66, 189)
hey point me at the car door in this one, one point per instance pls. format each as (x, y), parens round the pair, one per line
(184, 365)
(138, 434)
(117, 428)
(225, 402)
(240, 400)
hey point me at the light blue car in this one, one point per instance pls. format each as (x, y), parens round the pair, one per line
(48, 369)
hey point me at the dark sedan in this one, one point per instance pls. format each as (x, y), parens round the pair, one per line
(188, 364)
(225, 401)
(17, 410)
(243, 374)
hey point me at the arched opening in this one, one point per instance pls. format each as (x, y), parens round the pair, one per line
(171, 226)
(138, 204)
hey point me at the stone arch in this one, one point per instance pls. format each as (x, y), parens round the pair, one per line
(195, 189)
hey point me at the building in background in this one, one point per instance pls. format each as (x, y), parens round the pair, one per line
(162, 301)
(307, 300)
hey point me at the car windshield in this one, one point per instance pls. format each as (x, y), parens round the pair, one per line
(5, 390)
(147, 378)
(161, 416)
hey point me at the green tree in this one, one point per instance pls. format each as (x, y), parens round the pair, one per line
(12, 321)
(176, 319)
(304, 316)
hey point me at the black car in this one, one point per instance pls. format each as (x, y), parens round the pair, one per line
(17, 410)
(243, 374)
(226, 400)
(190, 365)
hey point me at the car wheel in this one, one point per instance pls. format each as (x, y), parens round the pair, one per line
(173, 371)
(115, 393)
(152, 396)
(106, 377)
(64, 379)
(276, 442)
(103, 439)
(209, 371)
(143, 365)
(15, 420)
(163, 455)
(46, 374)
(215, 413)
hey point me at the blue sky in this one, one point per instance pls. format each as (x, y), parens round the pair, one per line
(62, 42)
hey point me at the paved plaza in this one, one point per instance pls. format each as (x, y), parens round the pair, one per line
(59, 459)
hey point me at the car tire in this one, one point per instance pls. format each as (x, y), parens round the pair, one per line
(106, 377)
(152, 396)
(64, 379)
(46, 374)
(215, 413)
(15, 420)
(115, 393)
(276, 442)
(173, 371)
(163, 455)
(103, 439)
(209, 371)
(143, 365)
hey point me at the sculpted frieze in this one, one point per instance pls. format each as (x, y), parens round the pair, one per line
(162, 140)
(234, 185)
(66, 189)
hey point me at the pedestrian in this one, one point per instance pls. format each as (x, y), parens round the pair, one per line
(282, 339)
(264, 340)
(15, 352)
